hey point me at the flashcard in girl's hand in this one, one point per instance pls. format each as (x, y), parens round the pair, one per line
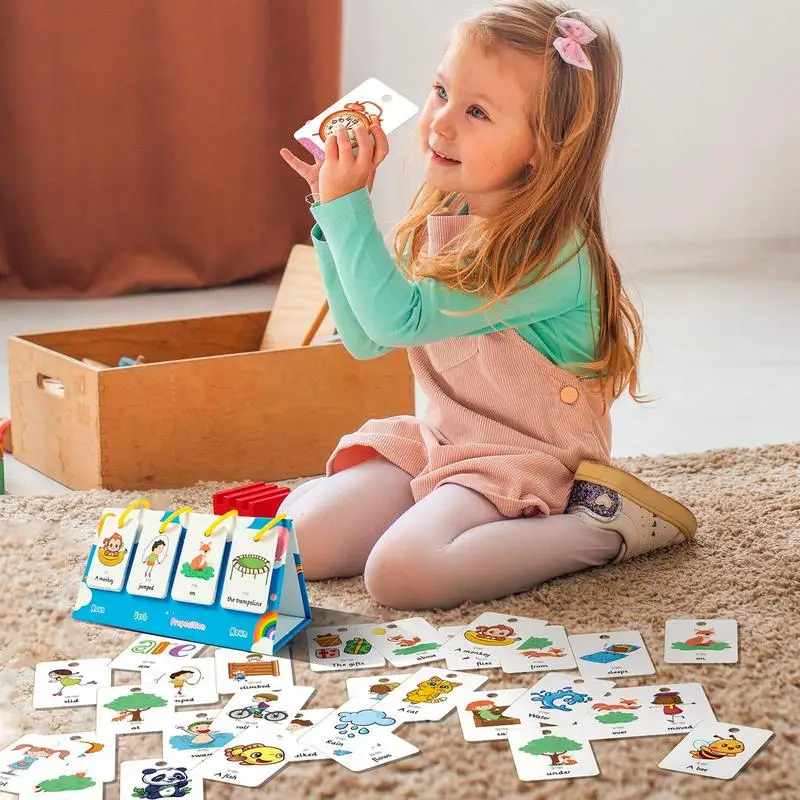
(558, 698)
(151, 565)
(716, 750)
(134, 709)
(258, 708)
(478, 645)
(646, 711)
(25, 760)
(251, 759)
(617, 654)
(147, 651)
(406, 642)
(430, 694)
(194, 735)
(158, 778)
(60, 684)
(116, 536)
(701, 641)
(335, 648)
(303, 722)
(368, 103)
(547, 649)
(373, 687)
(237, 670)
(191, 683)
(551, 752)
(483, 715)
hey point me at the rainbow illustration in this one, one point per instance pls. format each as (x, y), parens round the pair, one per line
(265, 627)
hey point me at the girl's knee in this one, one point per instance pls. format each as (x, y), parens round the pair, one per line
(400, 578)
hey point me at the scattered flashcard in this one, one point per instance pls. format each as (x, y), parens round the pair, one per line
(25, 760)
(154, 778)
(133, 709)
(558, 699)
(478, 645)
(195, 735)
(406, 642)
(545, 650)
(237, 670)
(302, 723)
(483, 715)
(449, 631)
(383, 749)
(646, 711)
(147, 651)
(430, 694)
(274, 707)
(67, 782)
(701, 641)
(335, 648)
(190, 683)
(251, 759)
(370, 102)
(151, 564)
(373, 687)
(615, 654)
(92, 751)
(551, 752)
(60, 684)
(716, 750)
(116, 537)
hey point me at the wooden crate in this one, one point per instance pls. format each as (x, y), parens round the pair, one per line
(208, 405)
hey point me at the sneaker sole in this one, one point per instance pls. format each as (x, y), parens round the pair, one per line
(640, 493)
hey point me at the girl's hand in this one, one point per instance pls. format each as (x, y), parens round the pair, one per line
(343, 172)
(308, 172)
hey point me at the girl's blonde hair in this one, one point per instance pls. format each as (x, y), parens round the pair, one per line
(571, 117)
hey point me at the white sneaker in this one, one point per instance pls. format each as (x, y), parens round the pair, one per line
(614, 500)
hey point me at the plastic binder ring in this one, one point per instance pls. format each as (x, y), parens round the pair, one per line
(103, 522)
(143, 503)
(217, 522)
(162, 528)
(269, 525)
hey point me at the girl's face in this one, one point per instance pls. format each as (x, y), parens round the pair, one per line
(474, 128)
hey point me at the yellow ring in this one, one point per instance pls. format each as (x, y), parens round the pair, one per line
(102, 522)
(217, 522)
(162, 528)
(268, 526)
(144, 503)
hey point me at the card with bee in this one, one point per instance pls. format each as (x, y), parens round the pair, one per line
(716, 750)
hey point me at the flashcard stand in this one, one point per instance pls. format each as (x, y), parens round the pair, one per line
(288, 611)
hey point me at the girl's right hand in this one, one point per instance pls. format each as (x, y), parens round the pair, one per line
(308, 172)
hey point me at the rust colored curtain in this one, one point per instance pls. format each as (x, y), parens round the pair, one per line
(139, 139)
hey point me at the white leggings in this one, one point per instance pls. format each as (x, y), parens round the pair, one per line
(451, 547)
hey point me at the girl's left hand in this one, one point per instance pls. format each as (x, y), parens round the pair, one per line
(344, 172)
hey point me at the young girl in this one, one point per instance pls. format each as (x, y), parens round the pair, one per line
(517, 327)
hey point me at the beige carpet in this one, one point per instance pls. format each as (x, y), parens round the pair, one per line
(743, 564)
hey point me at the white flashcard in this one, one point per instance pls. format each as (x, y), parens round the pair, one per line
(449, 631)
(430, 694)
(237, 670)
(255, 709)
(148, 650)
(195, 735)
(370, 102)
(558, 699)
(646, 711)
(133, 709)
(245, 586)
(479, 644)
(354, 725)
(303, 723)
(24, 761)
(383, 749)
(156, 551)
(152, 778)
(551, 752)
(192, 683)
(116, 537)
(333, 648)
(614, 654)
(483, 715)
(93, 752)
(251, 759)
(701, 641)
(67, 782)
(373, 687)
(547, 649)
(716, 750)
(197, 576)
(61, 684)
(406, 642)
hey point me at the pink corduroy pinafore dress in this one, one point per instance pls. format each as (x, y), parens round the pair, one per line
(501, 418)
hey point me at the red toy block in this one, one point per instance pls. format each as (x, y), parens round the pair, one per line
(251, 500)
(266, 504)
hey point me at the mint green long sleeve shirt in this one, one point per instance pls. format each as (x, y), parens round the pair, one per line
(377, 309)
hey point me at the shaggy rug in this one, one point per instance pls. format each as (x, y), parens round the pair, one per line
(743, 564)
